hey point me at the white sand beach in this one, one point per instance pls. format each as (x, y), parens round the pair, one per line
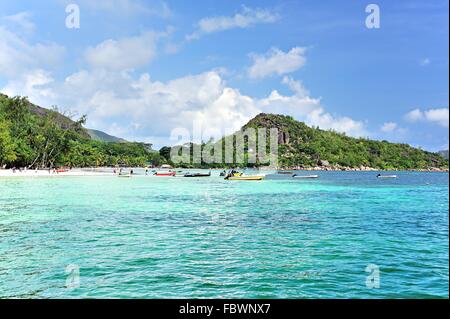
(47, 173)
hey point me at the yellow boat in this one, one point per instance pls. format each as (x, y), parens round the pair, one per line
(245, 178)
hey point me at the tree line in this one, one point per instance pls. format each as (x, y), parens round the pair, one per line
(42, 140)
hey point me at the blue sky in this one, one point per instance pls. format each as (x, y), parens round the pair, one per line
(140, 69)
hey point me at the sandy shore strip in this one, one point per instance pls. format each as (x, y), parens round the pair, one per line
(47, 173)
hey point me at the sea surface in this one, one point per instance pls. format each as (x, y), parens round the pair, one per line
(344, 235)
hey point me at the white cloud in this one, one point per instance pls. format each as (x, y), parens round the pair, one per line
(389, 127)
(248, 17)
(295, 86)
(34, 85)
(112, 100)
(324, 120)
(22, 20)
(277, 62)
(154, 108)
(439, 116)
(123, 54)
(17, 56)
(414, 115)
(122, 102)
(305, 108)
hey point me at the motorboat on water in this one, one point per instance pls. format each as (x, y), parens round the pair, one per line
(245, 178)
(230, 173)
(165, 174)
(197, 174)
(386, 176)
(305, 176)
(237, 176)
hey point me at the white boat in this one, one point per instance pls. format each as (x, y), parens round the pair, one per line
(305, 176)
(386, 176)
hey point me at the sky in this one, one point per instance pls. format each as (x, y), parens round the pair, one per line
(143, 69)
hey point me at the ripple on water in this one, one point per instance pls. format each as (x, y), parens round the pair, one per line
(175, 238)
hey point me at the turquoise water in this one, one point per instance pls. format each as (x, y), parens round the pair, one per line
(155, 237)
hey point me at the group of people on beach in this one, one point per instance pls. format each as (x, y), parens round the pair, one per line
(26, 169)
(121, 171)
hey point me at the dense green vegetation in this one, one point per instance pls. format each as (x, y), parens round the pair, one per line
(33, 137)
(302, 146)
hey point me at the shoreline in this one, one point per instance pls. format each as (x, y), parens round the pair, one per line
(104, 171)
(366, 169)
(46, 173)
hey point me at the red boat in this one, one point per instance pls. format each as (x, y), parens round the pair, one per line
(165, 173)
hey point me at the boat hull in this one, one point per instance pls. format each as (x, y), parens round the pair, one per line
(165, 174)
(197, 175)
(306, 177)
(245, 178)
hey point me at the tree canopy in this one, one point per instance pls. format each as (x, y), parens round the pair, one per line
(31, 137)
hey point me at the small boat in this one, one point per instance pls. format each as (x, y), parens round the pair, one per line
(197, 175)
(305, 176)
(165, 174)
(386, 176)
(244, 178)
(124, 175)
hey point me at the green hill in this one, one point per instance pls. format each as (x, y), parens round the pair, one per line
(97, 135)
(65, 122)
(301, 145)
